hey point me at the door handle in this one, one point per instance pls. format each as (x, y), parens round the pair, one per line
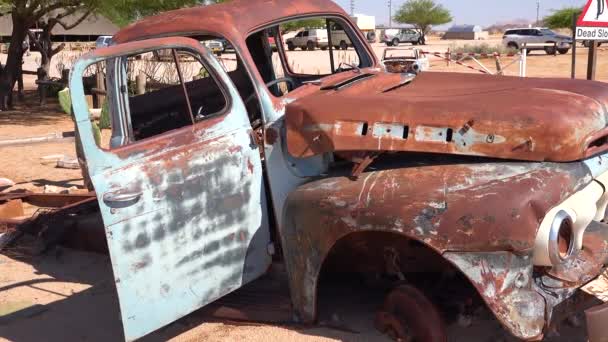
(121, 199)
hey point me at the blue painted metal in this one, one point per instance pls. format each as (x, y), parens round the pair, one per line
(196, 226)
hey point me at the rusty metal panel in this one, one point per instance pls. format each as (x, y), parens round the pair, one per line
(504, 281)
(550, 120)
(183, 211)
(450, 204)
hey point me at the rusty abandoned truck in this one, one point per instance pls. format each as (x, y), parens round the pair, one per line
(210, 177)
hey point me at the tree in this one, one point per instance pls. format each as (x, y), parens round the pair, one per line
(423, 14)
(126, 11)
(562, 18)
(25, 14)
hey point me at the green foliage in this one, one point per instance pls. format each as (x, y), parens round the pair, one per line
(302, 24)
(124, 12)
(104, 119)
(65, 101)
(96, 133)
(562, 18)
(481, 48)
(423, 14)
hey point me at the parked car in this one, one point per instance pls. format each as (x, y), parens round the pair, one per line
(517, 38)
(309, 40)
(103, 41)
(433, 188)
(215, 45)
(587, 43)
(393, 37)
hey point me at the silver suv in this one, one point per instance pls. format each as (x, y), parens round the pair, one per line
(516, 38)
(392, 37)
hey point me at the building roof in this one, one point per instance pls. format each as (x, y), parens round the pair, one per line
(94, 25)
(232, 20)
(465, 28)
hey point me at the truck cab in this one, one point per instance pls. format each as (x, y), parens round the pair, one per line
(214, 168)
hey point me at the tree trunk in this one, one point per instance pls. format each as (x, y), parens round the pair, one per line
(14, 61)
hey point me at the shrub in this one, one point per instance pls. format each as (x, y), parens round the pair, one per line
(481, 48)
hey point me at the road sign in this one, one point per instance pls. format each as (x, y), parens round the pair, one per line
(593, 21)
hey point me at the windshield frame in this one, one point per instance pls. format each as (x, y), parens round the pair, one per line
(367, 58)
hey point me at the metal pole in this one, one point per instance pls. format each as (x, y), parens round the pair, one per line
(352, 7)
(390, 13)
(591, 63)
(573, 71)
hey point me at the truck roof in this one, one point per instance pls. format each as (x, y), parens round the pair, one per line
(232, 20)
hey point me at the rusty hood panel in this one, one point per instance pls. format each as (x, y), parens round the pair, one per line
(502, 117)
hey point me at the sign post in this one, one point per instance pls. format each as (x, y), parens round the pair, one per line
(592, 25)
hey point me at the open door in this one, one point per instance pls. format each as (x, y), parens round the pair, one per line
(178, 178)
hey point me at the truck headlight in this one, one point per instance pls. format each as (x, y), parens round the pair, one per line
(561, 238)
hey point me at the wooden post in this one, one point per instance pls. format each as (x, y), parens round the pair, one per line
(42, 76)
(498, 65)
(592, 60)
(141, 83)
(573, 71)
(65, 77)
(100, 84)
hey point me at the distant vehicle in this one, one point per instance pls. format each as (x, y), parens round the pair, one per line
(394, 37)
(516, 38)
(103, 41)
(215, 45)
(367, 25)
(587, 43)
(309, 40)
(405, 61)
(227, 45)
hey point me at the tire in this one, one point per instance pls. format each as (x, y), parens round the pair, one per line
(415, 43)
(587, 43)
(290, 46)
(407, 314)
(323, 48)
(550, 50)
(513, 45)
(310, 46)
(563, 51)
(343, 45)
(371, 36)
(389, 43)
(396, 42)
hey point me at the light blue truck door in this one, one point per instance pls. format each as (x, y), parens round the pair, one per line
(184, 211)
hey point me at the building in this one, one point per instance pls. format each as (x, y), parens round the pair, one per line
(469, 32)
(92, 27)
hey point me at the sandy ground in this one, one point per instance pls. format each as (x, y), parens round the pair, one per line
(69, 295)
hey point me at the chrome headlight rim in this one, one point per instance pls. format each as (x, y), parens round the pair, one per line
(560, 219)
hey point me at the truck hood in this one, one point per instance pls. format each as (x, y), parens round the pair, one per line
(500, 117)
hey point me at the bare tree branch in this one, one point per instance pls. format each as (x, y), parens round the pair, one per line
(75, 23)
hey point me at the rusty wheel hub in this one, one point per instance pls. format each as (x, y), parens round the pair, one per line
(408, 316)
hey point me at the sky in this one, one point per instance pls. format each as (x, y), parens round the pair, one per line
(478, 12)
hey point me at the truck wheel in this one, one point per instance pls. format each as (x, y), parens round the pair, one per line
(408, 315)
(323, 48)
(396, 42)
(389, 43)
(343, 45)
(310, 46)
(563, 51)
(513, 45)
(290, 46)
(415, 43)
